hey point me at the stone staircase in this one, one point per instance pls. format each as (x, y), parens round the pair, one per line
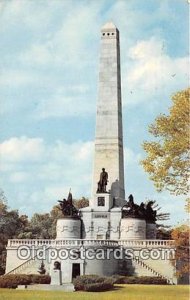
(141, 270)
(137, 267)
(139, 264)
(28, 267)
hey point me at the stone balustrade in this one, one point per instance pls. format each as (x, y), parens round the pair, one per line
(84, 242)
(100, 243)
(29, 242)
(59, 243)
(146, 243)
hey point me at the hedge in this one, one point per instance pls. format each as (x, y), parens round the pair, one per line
(138, 280)
(118, 279)
(13, 280)
(93, 283)
(106, 285)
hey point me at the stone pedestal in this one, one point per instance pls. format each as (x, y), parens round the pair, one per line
(151, 231)
(132, 229)
(102, 202)
(68, 228)
(56, 277)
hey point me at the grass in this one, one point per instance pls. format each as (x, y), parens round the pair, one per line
(121, 292)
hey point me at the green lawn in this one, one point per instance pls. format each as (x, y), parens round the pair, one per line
(121, 292)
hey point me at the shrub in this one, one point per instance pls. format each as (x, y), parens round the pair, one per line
(144, 280)
(93, 283)
(80, 281)
(13, 280)
(40, 279)
(100, 286)
(119, 279)
(7, 283)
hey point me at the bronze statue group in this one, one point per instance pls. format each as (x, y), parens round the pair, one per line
(142, 211)
(129, 210)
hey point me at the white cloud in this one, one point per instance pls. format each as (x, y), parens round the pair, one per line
(40, 172)
(25, 149)
(28, 14)
(151, 71)
(145, 50)
(21, 149)
(69, 44)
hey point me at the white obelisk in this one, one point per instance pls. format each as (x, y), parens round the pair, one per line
(109, 135)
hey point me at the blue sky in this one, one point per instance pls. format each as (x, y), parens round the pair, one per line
(48, 84)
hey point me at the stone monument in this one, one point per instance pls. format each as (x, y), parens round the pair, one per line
(101, 219)
(109, 222)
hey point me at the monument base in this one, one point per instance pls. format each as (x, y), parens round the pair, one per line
(132, 229)
(56, 277)
(68, 228)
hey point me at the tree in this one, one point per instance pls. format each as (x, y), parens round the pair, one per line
(167, 160)
(80, 203)
(163, 232)
(11, 224)
(39, 227)
(181, 237)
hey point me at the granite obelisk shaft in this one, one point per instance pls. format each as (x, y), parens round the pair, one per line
(109, 135)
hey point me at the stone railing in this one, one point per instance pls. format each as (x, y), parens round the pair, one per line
(146, 243)
(29, 242)
(100, 243)
(84, 242)
(15, 243)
